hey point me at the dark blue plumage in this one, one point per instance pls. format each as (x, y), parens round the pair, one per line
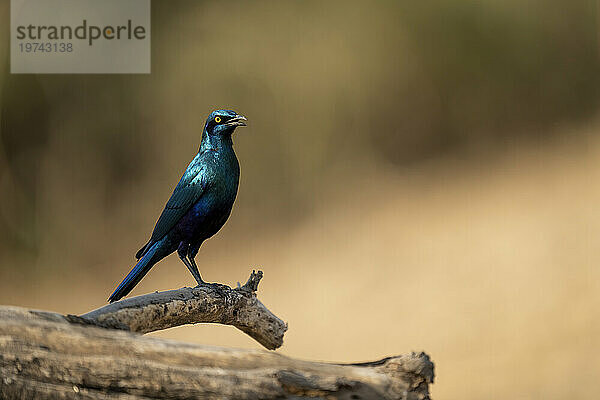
(199, 205)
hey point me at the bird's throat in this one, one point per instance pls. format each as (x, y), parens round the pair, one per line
(215, 142)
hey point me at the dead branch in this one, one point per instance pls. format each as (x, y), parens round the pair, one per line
(46, 355)
(212, 302)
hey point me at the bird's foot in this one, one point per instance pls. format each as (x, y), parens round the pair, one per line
(212, 285)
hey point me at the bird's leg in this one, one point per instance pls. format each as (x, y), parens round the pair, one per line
(195, 267)
(194, 271)
(182, 251)
(191, 255)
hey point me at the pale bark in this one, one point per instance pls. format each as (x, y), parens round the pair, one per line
(211, 302)
(46, 355)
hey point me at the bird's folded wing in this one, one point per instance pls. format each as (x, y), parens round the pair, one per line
(186, 193)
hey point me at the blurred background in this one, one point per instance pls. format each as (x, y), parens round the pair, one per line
(415, 176)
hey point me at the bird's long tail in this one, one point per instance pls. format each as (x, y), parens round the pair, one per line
(136, 274)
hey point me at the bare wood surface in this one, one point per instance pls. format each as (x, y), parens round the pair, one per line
(101, 355)
(213, 303)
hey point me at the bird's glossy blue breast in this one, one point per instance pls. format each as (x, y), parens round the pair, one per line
(211, 211)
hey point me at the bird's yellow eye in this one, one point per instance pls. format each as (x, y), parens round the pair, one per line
(217, 119)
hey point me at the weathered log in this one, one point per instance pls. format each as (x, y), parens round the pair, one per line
(45, 355)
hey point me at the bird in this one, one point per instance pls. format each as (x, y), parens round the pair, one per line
(199, 206)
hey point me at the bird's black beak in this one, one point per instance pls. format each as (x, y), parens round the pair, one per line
(238, 120)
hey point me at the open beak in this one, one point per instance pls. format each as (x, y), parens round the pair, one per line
(238, 120)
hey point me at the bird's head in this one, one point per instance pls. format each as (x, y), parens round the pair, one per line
(223, 122)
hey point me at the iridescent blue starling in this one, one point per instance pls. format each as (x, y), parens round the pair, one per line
(199, 205)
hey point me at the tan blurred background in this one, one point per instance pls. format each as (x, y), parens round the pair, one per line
(414, 177)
